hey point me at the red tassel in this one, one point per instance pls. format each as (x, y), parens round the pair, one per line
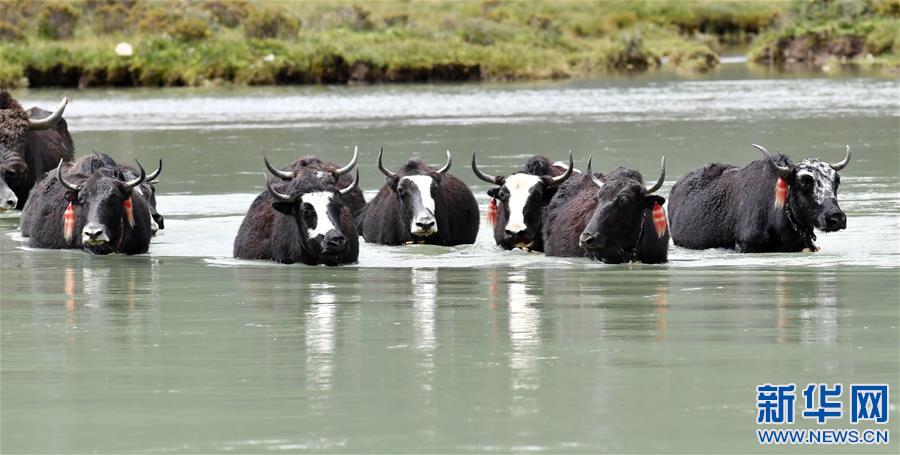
(781, 191)
(68, 222)
(659, 220)
(129, 213)
(492, 212)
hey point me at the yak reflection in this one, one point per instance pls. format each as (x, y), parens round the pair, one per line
(525, 340)
(819, 325)
(424, 292)
(320, 319)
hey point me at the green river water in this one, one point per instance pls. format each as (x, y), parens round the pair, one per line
(466, 349)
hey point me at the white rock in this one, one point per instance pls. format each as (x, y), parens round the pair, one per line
(124, 49)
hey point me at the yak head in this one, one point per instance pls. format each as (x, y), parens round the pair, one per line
(520, 199)
(615, 228)
(106, 204)
(416, 189)
(316, 205)
(811, 190)
(15, 125)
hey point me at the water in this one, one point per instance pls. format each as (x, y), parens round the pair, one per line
(448, 349)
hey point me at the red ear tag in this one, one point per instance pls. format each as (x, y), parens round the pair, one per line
(781, 191)
(129, 213)
(492, 212)
(68, 222)
(659, 220)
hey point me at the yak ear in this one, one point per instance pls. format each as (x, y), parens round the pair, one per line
(286, 208)
(392, 183)
(651, 199)
(493, 192)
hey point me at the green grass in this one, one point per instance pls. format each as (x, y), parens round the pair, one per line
(232, 42)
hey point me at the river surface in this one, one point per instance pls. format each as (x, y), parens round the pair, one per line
(432, 349)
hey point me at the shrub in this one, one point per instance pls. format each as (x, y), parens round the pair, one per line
(57, 20)
(110, 19)
(190, 29)
(227, 13)
(270, 22)
(9, 32)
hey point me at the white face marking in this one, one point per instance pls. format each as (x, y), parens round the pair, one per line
(319, 201)
(8, 199)
(519, 187)
(423, 184)
(823, 178)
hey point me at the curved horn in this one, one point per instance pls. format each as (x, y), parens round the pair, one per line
(446, 166)
(349, 167)
(275, 194)
(844, 162)
(782, 171)
(62, 181)
(49, 121)
(140, 179)
(554, 181)
(155, 174)
(283, 175)
(381, 168)
(486, 177)
(590, 172)
(661, 179)
(352, 185)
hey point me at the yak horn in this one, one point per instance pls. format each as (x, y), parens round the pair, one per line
(283, 175)
(661, 179)
(137, 181)
(554, 181)
(352, 185)
(155, 174)
(349, 167)
(275, 194)
(446, 166)
(381, 168)
(843, 163)
(590, 172)
(62, 181)
(782, 171)
(50, 120)
(486, 177)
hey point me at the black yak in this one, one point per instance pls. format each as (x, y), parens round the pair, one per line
(614, 218)
(517, 206)
(31, 143)
(420, 204)
(769, 205)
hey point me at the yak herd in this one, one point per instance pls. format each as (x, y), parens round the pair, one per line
(312, 211)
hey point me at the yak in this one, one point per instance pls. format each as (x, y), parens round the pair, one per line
(614, 218)
(306, 220)
(518, 203)
(31, 143)
(420, 204)
(89, 205)
(769, 205)
(353, 200)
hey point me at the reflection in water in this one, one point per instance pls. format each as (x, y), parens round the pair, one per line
(781, 302)
(661, 310)
(424, 292)
(524, 336)
(819, 325)
(320, 318)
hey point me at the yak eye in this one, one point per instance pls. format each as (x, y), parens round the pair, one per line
(12, 174)
(806, 181)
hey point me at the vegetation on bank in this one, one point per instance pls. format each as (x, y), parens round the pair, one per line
(828, 34)
(195, 43)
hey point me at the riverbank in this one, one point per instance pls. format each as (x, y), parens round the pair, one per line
(179, 43)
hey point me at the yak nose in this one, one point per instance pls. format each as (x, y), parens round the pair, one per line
(10, 203)
(835, 221)
(93, 232)
(335, 240)
(588, 240)
(513, 230)
(425, 223)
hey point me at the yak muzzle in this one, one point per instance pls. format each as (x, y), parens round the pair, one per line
(834, 221)
(94, 234)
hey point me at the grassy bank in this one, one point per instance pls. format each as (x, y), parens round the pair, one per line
(828, 34)
(194, 43)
